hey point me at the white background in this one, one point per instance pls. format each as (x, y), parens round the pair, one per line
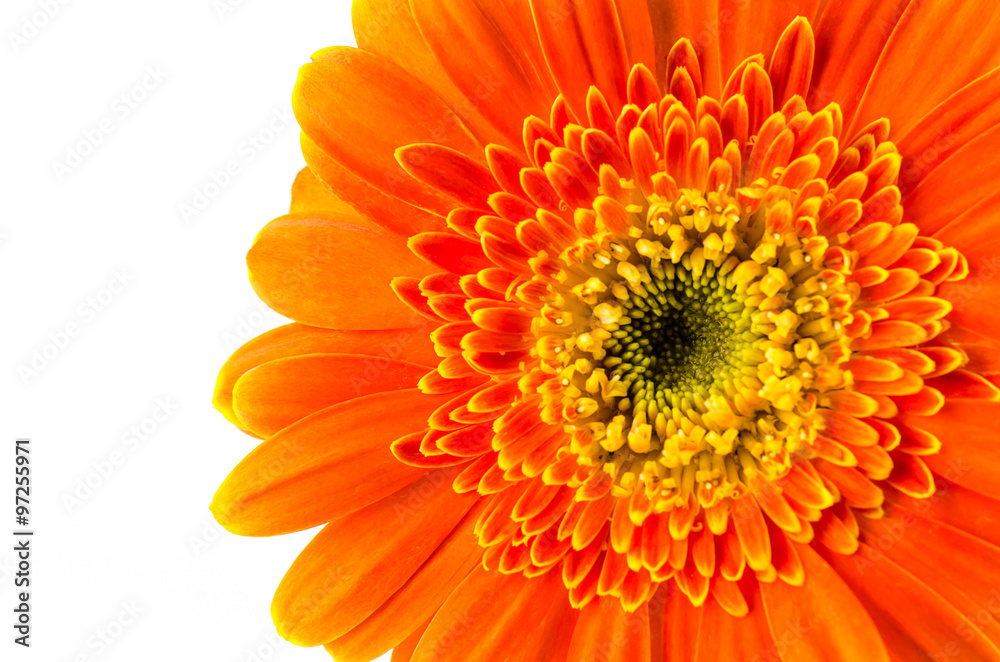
(144, 534)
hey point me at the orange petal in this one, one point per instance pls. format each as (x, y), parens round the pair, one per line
(968, 451)
(605, 631)
(908, 384)
(974, 298)
(747, 28)
(485, 619)
(983, 354)
(958, 507)
(751, 528)
(824, 617)
(887, 334)
(792, 64)
(404, 651)
(833, 534)
(853, 403)
(490, 52)
(412, 345)
(309, 193)
(354, 564)
(388, 28)
(637, 31)
(409, 292)
(417, 601)
(925, 402)
(384, 209)
(899, 601)
(959, 190)
(963, 384)
(919, 65)
(583, 45)
(958, 119)
(278, 393)
(726, 637)
(333, 271)
(450, 252)
(679, 19)
(921, 310)
(450, 172)
(378, 107)
(682, 623)
(897, 283)
(911, 476)
(940, 557)
(850, 37)
(323, 467)
(847, 429)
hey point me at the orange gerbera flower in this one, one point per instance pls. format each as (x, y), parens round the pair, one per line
(618, 340)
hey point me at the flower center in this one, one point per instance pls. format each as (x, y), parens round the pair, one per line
(684, 336)
(690, 339)
(693, 342)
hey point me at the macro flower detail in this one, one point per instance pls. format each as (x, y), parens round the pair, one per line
(646, 350)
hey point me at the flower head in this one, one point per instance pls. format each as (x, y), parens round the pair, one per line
(640, 337)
